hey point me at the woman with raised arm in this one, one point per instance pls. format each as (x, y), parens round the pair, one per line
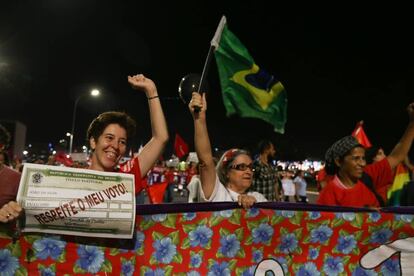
(108, 136)
(354, 183)
(232, 178)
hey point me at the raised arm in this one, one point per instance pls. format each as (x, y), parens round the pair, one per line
(202, 144)
(402, 148)
(155, 146)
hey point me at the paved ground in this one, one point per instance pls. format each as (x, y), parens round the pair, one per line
(312, 196)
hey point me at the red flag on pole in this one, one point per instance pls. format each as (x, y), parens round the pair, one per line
(180, 146)
(360, 135)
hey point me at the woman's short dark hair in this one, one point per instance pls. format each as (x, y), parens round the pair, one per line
(4, 136)
(264, 145)
(99, 124)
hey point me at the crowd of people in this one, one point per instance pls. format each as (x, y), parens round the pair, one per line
(235, 176)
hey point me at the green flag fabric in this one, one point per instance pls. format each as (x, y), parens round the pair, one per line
(248, 90)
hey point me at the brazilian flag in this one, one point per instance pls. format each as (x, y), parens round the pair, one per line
(248, 90)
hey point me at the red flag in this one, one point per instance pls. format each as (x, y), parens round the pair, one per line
(156, 192)
(64, 159)
(180, 147)
(360, 135)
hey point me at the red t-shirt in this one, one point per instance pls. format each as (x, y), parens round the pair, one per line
(9, 185)
(335, 193)
(132, 167)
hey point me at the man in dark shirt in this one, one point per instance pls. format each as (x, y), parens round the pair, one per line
(265, 180)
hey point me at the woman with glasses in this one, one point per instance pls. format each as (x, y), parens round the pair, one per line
(231, 179)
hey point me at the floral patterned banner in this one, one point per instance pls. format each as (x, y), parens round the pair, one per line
(227, 241)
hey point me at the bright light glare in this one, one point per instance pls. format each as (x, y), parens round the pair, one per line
(67, 134)
(95, 92)
(25, 152)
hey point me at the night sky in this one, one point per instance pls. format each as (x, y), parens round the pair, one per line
(339, 65)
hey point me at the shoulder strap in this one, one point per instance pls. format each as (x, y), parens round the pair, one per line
(367, 180)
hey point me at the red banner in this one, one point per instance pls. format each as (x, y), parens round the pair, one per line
(180, 146)
(310, 241)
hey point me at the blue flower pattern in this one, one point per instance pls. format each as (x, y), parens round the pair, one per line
(200, 236)
(139, 240)
(381, 236)
(47, 272)
(321, 234)
(314, 215)
(156, 272)
(127, 268)
(219, 269)
(249, 271)
(257, 256)
(333, 266)
(308, 269)
(90, 259)
(359, 271)
(346, 244)
(195, 260)
(48, 247)
(8, 263)
(189, 216)
(165, 250)
(375, 216)
(263, 233)
(288, 243)
(224, 213)
(229, 245)
(313, 253)
(391, 267)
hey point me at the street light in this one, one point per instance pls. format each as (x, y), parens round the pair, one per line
(94, 93)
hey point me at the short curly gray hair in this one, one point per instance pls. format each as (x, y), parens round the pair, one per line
(225, 162)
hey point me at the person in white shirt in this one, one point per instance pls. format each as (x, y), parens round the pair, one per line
(300, 186)
(233, 176)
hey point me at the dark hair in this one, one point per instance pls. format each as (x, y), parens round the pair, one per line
(370, 154)
(99, 124)
(264, 145)
(5, 157)
(4, 136)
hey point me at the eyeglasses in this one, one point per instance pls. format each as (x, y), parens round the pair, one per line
(242, 167)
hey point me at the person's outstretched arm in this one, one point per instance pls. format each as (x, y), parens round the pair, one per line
(155, 146)
(402, 148)
(202, 144)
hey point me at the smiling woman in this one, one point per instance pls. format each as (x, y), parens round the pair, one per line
(108, 136)
(232, 178)
(355, 184)
(108, 133)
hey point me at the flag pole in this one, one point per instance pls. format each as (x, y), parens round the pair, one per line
(205, 69)
(213, 45)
